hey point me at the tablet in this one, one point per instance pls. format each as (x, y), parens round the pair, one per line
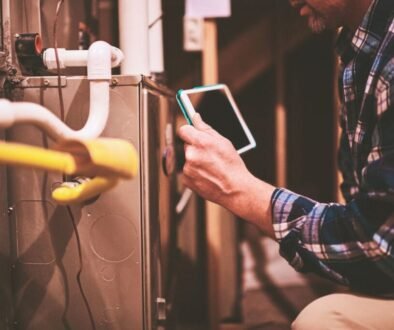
(218, 109)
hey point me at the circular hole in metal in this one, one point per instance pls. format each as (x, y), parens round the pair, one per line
(113, 238)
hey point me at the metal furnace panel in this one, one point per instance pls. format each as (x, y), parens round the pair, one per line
(159, 180)
(6, 301)
(44, 247)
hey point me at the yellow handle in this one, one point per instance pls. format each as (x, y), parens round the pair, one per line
(106, 159)
(116, 155)
(50, 160)
(71, 193)
(103, 157)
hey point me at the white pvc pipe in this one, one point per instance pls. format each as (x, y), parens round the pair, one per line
(99, 74)
(99, 61)
(134, 36)
(156, 57)
(12, 113)
(75, 58)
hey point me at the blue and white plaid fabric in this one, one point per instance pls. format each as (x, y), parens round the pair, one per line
(353, 243)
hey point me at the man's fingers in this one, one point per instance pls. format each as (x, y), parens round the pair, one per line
(199, 123)
(189, 134)
(194, 134)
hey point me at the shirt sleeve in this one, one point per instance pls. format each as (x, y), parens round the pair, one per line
(351, 244)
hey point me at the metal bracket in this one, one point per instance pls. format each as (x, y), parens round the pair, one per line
(161, 309)
(48, 81)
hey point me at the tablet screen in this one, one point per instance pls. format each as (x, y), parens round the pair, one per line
(216, 110)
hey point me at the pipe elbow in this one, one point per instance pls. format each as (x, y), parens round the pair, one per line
(99, 61)
(117, 57)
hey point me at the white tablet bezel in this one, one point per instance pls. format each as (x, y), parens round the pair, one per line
(190, 111)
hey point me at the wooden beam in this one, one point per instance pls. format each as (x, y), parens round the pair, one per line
(336, 134)
(210, 71)
(280, 108)
(210, 76)
(220, 223)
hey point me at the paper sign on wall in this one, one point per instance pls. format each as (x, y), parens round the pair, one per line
(208, 8)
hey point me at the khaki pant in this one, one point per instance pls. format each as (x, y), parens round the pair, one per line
(346, 311)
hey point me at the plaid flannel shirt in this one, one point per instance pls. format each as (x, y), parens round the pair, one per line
(353, 243)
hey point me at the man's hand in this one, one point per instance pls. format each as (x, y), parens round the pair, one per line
(217, 173)
(212, 166)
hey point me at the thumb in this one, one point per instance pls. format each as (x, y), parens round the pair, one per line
(199, 123)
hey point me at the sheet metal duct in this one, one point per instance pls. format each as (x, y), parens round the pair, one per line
(125, 234)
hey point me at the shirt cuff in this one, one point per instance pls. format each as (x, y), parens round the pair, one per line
(294, 228)
(289, 211)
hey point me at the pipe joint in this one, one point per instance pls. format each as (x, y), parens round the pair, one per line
(99, 61)
(79, 58)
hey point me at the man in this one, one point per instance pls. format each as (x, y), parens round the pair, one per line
(351, 244)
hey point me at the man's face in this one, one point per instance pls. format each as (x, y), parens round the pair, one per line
(321, 14)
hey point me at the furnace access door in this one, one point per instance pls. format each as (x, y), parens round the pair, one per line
(124, 234)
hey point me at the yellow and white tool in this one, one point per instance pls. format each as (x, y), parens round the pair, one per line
(106, 160)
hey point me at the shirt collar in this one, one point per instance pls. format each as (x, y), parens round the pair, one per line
(369, 34)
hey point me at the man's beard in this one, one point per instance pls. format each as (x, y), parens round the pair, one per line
(316, 23)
